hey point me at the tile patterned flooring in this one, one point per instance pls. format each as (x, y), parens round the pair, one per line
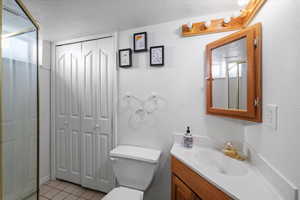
(60, 190)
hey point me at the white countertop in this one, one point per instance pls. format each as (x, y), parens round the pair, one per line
(250, 186)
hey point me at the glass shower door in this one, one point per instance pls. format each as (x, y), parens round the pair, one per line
(19, 104)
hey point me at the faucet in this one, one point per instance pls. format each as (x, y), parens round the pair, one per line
(232, 152)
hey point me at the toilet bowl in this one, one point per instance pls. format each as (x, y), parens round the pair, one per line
(134, 168)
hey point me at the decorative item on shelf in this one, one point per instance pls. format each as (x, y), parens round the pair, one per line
(140, 42)
(157, 56)
(125, 58)
(239, 20)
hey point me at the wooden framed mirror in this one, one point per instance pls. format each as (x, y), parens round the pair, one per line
(233, 78)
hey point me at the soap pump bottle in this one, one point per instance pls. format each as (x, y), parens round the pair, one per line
(188, 139)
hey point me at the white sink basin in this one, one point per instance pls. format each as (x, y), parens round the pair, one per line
(229, 175)
(216, 161)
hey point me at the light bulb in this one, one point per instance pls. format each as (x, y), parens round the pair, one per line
(190, 25)
(208, 23)
(242, 3)
(227, 20)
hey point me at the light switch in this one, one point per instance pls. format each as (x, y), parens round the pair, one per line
(271, 116)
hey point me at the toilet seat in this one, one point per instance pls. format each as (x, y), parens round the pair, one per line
(123, 193)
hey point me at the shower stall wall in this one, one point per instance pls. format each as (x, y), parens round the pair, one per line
(19, 103)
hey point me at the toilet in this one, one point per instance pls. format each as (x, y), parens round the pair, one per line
(134, 168)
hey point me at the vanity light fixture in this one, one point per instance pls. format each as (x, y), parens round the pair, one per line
(239, 20)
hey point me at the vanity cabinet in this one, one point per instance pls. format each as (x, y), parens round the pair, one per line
(180, 191)
(188, 185)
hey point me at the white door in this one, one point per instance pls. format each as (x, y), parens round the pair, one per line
(97, 59)
(67, 124)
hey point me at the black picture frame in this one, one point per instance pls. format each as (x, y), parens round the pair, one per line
(130, 58)
(162, 56)
(145, 42)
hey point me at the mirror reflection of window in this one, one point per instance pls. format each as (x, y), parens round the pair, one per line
(229, 73)
(219, 71)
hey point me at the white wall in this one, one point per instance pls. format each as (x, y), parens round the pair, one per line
(44, 84)
(180, 82)
(281, 72)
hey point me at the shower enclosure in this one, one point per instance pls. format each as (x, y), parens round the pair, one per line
(19, 103)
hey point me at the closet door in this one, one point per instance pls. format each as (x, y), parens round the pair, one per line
(97, 114)
(68, 131)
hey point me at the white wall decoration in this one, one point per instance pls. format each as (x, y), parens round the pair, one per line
(142, 110)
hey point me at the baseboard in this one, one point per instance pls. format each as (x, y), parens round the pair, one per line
(44, 179)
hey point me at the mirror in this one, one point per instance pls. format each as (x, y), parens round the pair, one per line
(233, 80)
(229, 75)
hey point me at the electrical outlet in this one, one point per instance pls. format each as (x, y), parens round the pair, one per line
(271, 116)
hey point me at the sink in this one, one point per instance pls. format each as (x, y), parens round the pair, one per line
(219, 163)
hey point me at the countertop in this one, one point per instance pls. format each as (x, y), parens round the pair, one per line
(251, 186)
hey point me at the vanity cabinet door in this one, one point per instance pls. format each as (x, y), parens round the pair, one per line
(180, 191)
(187, 184)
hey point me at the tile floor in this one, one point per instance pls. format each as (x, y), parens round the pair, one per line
(60, 190)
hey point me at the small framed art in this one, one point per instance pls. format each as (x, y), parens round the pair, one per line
(157, 57)
(140, 42)
(125, 58)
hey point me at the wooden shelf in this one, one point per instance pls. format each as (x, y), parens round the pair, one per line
(218, 25)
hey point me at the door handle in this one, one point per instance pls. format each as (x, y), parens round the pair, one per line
(97, 126)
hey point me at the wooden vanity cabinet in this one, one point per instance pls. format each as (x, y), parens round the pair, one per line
(188, 185)
(180, 191)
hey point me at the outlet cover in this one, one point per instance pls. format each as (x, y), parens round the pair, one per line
(271, 116)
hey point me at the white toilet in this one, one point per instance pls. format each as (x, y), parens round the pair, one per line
(134, 168)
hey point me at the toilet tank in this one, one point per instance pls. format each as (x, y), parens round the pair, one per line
(134, 167)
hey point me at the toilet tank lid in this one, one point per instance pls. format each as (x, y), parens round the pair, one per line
(136, 153)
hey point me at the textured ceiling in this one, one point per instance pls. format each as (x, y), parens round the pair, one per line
(64, 19)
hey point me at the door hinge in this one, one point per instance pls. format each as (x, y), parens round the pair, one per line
(257, 102)
(255, 42)
(117, 61)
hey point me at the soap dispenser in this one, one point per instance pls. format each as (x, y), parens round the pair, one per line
(188, 139)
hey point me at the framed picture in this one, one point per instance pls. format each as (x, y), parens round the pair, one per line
(125, 58)
(140, 42)
(157, 57)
